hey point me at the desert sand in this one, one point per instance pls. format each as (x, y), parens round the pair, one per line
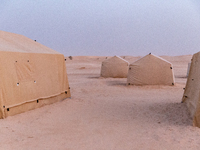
(105, 114)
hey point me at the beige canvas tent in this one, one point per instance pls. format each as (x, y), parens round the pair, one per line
(188, 69)
(31, 75)
(191, 94)
(115, 67)
(150, 70)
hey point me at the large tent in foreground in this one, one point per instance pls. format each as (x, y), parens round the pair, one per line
(150, 70)
(115, 67)
(191, 94)
(31, 75)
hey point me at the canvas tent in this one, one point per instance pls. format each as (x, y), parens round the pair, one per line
(31, 75)
(191, 94)
(150, 70)
(115, 67)
(188, 69)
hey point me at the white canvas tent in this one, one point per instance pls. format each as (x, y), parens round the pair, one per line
(191, 94)
(115, 67)
(31, 75)
(150, 70)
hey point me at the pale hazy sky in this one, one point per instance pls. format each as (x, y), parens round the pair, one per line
(107, 27)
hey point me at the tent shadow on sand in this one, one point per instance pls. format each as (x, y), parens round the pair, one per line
(110, 83)
(163, 113)
(94, 77)
(181, 76)
(171, 113)
(116, 83)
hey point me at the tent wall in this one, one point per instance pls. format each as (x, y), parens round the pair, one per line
(150, 70)
(30, 80)
(191, 93)
(114, 67)
(34, 104)
(31, 75)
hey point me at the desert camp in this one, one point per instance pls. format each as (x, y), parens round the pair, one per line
(35, 76)
(115, 67)
(32, 75)
(151, 70)
(100, 75)
(106, 109)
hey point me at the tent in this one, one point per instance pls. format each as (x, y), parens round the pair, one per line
(191, 93)
(115, 67)
(188, 69)
(31, 75)
(150, 70)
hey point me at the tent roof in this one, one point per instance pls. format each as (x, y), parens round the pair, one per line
(137, 61)
(114, 57)
(11, 42)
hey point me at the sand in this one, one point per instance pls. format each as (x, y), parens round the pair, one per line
(105, 114)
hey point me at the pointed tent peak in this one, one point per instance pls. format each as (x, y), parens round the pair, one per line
(116, 57)
(149, 56)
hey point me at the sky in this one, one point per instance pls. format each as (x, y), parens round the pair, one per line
(106, 27)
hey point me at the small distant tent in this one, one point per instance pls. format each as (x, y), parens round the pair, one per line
(188, 69)
(115, 67)
(191, 94)
(31, 75)
(150, 70)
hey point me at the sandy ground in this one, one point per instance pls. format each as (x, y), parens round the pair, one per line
(105, 114)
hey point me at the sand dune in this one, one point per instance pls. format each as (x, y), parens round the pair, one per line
(105, 114)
